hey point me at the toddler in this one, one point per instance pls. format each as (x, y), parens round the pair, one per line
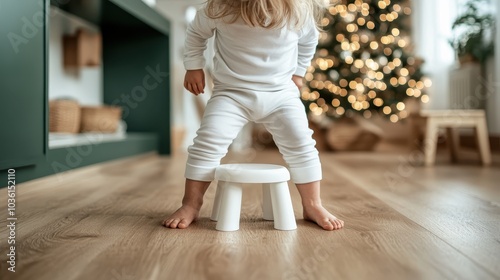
(262, 51)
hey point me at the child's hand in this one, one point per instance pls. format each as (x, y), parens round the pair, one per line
(298, 80)
(194, 81)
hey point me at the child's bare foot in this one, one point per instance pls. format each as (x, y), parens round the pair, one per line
(182, 218)
(191, 204)
(321, 216)
(313, 210)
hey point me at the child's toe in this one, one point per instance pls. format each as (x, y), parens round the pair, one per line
(167, 222)
(183, 224)
(174, 223)
(327, 225)
(339, 224)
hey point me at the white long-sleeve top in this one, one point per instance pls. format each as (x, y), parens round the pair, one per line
(250, 58)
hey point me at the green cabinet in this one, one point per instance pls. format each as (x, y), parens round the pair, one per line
(136, 76)
(23, 86)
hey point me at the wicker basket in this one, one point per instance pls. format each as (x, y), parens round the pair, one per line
(64, 116)
(100, 119)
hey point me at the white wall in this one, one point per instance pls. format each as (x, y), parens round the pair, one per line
(184, 112)
(493, 91)
(83, 84)
(432, 22)
(151, 3)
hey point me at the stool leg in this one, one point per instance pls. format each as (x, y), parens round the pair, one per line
(230, 207)
(453, 140)
(267, 205)
(430, 142)
(483, 142)
(217, 199)
(284, 218)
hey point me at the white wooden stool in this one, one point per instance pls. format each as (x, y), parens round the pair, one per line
(277, 204)
(452, 119)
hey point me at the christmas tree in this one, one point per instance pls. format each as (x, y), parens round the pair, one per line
(364, 62)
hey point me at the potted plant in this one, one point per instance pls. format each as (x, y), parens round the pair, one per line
(473, 33)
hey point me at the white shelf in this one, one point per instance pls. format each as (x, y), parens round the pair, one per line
(64, 140)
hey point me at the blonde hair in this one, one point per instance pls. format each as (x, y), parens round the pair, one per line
(267, 13)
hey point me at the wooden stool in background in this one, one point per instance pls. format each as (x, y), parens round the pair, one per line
(451, 120)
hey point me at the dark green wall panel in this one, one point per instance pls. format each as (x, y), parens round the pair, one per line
(137, 78)
(63, 159)
(23, 85)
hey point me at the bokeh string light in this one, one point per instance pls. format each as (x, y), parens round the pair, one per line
(364, 63)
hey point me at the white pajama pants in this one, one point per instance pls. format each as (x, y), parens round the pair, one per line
(283, 115)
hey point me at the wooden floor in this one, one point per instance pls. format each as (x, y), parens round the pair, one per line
(402, 222)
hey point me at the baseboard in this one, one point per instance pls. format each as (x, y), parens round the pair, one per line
(63, 159)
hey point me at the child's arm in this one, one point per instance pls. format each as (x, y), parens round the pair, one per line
(198, 32)
(307, 47)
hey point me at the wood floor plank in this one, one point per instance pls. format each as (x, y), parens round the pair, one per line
(63, 193)
(460, 214)
(116, 234)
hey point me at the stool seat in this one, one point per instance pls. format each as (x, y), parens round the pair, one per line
(277, 204)
(252, 173)
(453, 113)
